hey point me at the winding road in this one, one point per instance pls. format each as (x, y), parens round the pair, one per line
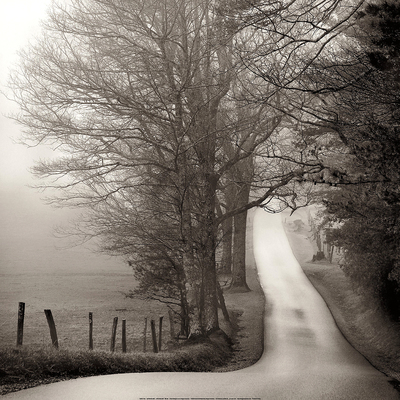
(305, 356)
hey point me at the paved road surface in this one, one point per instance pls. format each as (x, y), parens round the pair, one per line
(305, 355)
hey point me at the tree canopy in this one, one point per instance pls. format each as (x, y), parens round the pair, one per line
(147, 103)
(172, 118)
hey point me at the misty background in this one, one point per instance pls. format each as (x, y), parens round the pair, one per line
(28, 245)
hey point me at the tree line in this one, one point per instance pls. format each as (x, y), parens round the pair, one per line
(172, 118)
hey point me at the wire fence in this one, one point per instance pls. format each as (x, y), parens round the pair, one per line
(119, 334)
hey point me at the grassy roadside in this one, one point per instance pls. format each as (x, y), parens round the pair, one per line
(363, 324)
(247, 323)
(248, 310)
(32, 367)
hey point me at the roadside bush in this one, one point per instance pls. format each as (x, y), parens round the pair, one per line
(369, 235)
(25, 367)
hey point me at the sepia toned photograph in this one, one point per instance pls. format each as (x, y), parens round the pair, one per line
(199, 199)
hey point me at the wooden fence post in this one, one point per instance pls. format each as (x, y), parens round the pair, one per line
(20, 330)
(113, 334)
(154, 336)
(160, 334)
(124, 335)
(145, 335)
(90, 331)
(52, 326)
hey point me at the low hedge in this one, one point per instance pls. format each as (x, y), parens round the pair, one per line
(25, 367)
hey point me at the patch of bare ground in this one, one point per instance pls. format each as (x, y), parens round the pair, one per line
(247, 324)
(246, 313)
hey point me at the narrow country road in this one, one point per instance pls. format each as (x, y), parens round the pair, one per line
(305, 356)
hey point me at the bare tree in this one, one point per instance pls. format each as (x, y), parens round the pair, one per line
(137, 97)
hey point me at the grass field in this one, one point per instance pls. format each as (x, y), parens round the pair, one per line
(71, 298)
(40, 270)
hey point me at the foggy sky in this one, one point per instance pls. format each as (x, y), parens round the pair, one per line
(20, 22)
(27, 241)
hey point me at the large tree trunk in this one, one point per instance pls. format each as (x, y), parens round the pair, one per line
(193, 290)
(227, 235)
(239, 242)
(239, 254)
(210, 300)
(192, 272)
(208, 240)
(225, 241)
(244, 173)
